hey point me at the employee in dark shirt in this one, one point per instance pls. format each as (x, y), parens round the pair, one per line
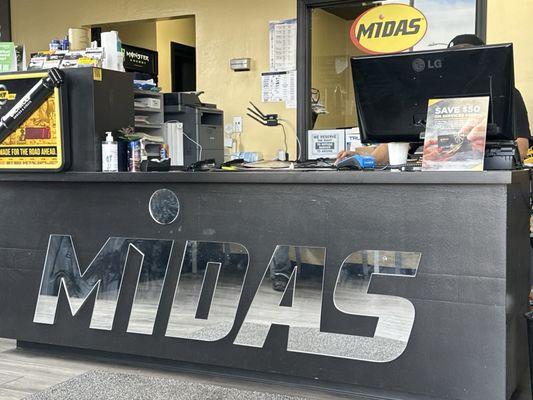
(521, 125)
(521, 121)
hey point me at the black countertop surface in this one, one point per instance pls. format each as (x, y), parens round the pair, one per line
(281, 177)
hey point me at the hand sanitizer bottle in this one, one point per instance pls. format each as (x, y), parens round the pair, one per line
(109, 154)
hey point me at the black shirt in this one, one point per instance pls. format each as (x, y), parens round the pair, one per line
(521, 121)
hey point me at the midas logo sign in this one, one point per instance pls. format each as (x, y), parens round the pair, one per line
(390, 28)
(219, 295)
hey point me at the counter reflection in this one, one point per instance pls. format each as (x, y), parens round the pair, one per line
(291, 294)
(209, 290)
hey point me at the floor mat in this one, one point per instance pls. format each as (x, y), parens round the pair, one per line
(101, 384)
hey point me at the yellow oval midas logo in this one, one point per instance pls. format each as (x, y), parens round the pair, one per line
(388, 29)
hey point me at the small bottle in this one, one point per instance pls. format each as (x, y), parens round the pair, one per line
(109, 154)
(65, 44)
(55, 45)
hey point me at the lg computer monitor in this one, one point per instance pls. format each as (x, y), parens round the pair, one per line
(392, 91)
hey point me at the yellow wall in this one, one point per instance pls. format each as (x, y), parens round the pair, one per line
(138, 33)
(224, 30)
(331, 43)
(328, 43)
(181, 30)
(509, 21)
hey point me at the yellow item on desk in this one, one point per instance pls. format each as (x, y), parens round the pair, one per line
(528, 162)
(269, 165)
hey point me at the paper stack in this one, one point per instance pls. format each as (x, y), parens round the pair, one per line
(173, 135)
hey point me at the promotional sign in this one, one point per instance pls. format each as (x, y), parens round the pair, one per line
(390, 28)
(352, 139)
(8, 57)
(456, 133)
(38, 143)
(137, 59)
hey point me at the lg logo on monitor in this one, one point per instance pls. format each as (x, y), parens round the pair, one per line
(420, 65)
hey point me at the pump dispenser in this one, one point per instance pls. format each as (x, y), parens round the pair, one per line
(109, 154)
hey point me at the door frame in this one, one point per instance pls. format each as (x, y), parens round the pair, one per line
(175, 47)
(5, 20)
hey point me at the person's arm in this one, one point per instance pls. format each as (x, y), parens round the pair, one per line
(523, 147)
(380, 153)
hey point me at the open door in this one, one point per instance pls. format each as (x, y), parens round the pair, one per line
(183, 67)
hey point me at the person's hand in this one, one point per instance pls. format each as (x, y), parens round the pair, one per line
(476, 133)
(343, 154)
(431, 150)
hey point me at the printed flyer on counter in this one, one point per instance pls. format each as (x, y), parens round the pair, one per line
(456, 133)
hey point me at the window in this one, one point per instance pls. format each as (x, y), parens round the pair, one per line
(325, 89)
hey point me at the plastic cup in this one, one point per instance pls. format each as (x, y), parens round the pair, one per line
(398, 153)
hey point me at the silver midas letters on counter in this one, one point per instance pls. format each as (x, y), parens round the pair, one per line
(208, 293)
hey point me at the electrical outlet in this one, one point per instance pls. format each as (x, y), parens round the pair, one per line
(237, 124)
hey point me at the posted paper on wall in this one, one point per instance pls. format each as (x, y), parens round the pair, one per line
(290, 99)
(283, 45)
(274, 87)
(277, 87)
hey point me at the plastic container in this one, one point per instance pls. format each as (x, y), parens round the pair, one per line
(55, 45)
(398, 153)
(109, 154)
(134, 156)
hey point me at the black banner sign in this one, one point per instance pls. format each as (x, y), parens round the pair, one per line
(137, 59)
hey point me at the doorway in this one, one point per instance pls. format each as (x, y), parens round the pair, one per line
(183, 67)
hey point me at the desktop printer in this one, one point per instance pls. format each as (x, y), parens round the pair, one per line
(203, 126)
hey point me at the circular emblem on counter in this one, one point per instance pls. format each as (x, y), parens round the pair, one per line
(164, 206)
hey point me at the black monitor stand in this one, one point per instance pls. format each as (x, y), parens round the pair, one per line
(502, 155)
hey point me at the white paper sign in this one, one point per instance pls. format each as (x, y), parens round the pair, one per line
(290, 100)
(274, 87)
(324, 143)
(283, 45)
(277, 87)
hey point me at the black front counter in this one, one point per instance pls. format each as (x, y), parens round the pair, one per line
(403, 285)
